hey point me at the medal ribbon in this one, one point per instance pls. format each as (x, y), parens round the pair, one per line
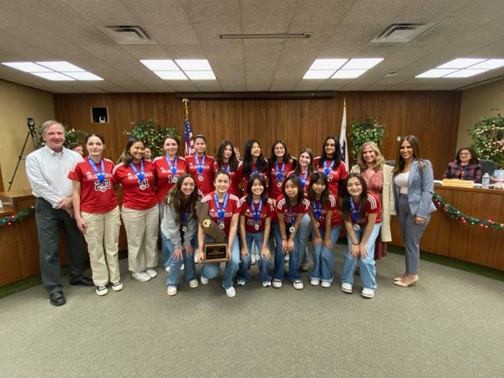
(279, 171)
(221, 210)
(227, 169)
(317, 209)
(257, 213)
(100, 176)
(173, 167)
(199, 165)
(141, 175)
(355, 214)
(328, 169)
(292, 218)
(303, 178)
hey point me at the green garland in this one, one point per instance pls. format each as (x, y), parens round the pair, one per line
(9, 220)
(441, 203)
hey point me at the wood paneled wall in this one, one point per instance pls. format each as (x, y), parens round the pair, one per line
(432, 116)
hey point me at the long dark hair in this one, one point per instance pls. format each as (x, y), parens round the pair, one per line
(264, 195)
(316, 177)
(126, 157)
(261, 163)
(311, 168)
(296, 181)
(286, 158)
(219, 157)
(474, 155)
(344, 197)
(337, 153)
(176, 198)
(400, 162)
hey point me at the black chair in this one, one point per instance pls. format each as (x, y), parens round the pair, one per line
(488, 166)
(390, 162)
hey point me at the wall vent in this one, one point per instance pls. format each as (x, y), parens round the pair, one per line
(128, 35)
(401, 33)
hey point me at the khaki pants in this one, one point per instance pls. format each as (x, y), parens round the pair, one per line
(142, 233)
(103, 229)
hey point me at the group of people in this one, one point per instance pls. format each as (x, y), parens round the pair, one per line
(250, 200)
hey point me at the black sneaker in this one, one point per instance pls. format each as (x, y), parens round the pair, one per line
(101, 290)
(117, 286)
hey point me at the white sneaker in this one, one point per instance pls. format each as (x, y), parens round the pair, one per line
(298, 285)
(326, 284)
(117, 286)
(266, 283)
(367, 293)
(182, 267)
(141, 276)
(101, 290)
(315, 281)
(253, 259)
(151, 272)
(287, 257)
(204, 280)
(193, 284)
(167, 269)
(277, 284)
(231, 292)
(172, 290)
(347, 288)
(241, 282)
(196, 256)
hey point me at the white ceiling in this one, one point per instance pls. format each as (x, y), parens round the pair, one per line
(68, 30)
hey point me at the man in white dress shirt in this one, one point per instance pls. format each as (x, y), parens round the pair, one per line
(47, 169)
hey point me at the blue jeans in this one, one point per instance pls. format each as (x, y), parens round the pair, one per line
(279, 273)
(305, 228)
(323, 258)
(176, 264)
(256, 238)
(367, 266)
(211, 270)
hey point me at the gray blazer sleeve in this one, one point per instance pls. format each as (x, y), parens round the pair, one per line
(427, 179)
(192, 228)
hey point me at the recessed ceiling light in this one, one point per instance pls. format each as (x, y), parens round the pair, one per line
(83, 76)
(159, 64)
(489, 64)
(461, 63)
(465, 73)
(194, 64)
(61, 66)
(435, 73)
(53, 76)
(200, 75)
(27, 67)
(318, 74)
(327, 64)
(171, 75)
(361, 64)
(348, 74)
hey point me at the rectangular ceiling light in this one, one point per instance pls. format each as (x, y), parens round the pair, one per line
(27, 67)
(83, 76)
(489, 64)
(201, 75)
(435, 73)
(361, 64)
(461, 63)
(347, 74)
(318, 74)
(465, 73)
(159, 64)
(171, 75)
(327, 64)
(53, 76)
(61, 66)
(194, 64)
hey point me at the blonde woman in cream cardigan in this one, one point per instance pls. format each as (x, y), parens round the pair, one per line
(378, 176)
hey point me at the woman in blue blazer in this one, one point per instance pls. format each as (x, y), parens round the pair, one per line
(413, 188)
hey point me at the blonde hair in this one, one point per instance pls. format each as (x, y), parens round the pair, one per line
(379, 160)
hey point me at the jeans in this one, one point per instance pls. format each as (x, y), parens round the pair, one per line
(176, 264)
(367, 265)
(256, 238)
(211, 270)
(279, 255)
(323, 258)
(305, 228)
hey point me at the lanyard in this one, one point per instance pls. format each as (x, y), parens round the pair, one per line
(303, 178)
(328, 169)
(254, 169)
(292, 218)
(221, 210)
(100, 176)
(355, 214)
(279, 171)
(173, 167)
(227, 169)
(140, 176)
(317, 209)
(257, 213)
(198, 165)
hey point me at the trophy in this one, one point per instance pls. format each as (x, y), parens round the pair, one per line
(213, 252)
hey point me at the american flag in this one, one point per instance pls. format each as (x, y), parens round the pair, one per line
(188, 138)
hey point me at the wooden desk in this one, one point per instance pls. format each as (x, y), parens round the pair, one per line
(450, 237)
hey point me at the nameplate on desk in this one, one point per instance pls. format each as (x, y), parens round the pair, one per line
(458, 183)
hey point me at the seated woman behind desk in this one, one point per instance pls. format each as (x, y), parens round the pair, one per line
(465, 167)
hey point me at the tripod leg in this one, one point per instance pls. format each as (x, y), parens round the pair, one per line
(19, 160)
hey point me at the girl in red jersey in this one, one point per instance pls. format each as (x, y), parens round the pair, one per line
(255, 224)
(360, 210)
(279, 165)
(201, 166)
(330, 163)
(97, 213)
(225, 159)
(140, 211)
(290, 208)
(224, 209)
(326, 223)
(253, 162)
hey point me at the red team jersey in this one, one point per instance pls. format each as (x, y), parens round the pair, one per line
(233, 207)
(206, 185)
(96, 198)
(307, 180)
(373, 206)
(336, 174)
(291, 212)
(234, 175)
(331, 206)
(267, 211)
(137, 195)
(245, 177)
(165, 179)
(275, 187)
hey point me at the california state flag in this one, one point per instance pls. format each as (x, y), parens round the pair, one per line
(342, 137)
